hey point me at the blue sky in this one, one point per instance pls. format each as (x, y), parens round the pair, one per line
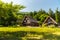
(35, 5)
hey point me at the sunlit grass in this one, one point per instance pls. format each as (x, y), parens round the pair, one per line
(35, 29)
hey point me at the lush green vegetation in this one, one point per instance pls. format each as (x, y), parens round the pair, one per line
(10, 14)
(28, 33)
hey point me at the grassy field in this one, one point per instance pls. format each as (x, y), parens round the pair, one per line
(35, 29)
(42, 33)
(30, 29)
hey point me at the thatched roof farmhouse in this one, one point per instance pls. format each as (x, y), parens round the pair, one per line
(29, 21)
(50, 21)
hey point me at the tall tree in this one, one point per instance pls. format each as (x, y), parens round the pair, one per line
(57, 15)
(8, 11)
(50, 12)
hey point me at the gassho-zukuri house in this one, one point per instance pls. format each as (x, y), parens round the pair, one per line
(50, 21)
(29, 21)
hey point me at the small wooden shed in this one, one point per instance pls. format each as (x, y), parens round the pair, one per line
(29, 21)
(50, 21)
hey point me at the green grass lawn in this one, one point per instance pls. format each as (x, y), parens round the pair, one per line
(35, 29)
(31, 29)
(44, 33)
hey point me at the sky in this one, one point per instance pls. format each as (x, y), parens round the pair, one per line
(35, 5)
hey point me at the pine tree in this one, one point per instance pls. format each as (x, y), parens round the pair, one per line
(50, 13)
(57, 15)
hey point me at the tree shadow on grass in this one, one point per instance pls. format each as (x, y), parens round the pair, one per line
(19, 35)
(47, 36)
(12, 35)
(50, 36)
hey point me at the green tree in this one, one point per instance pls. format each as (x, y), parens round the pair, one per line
(57, 15)
(31, 14)
(50, 12)
(41, 15)
(8, 12)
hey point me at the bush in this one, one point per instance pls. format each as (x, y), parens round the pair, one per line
(51, 26)
(44, 25)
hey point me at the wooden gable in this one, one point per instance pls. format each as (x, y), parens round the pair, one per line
(49, 20)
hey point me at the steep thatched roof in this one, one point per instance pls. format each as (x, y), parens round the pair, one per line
(49, 20)
(29, 20)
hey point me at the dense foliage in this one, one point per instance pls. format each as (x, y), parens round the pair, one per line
(10, 14)
(41, 15)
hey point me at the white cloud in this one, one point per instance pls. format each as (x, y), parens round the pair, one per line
(6, 0)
